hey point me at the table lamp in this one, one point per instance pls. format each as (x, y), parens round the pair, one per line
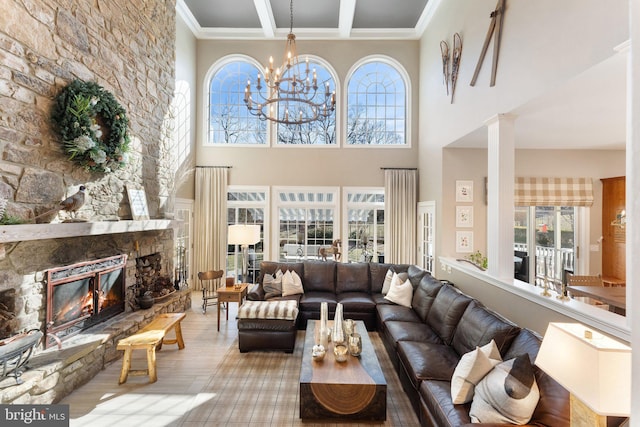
(244, 235)
(594, 368)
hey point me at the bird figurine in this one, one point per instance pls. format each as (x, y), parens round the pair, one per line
(71, 204)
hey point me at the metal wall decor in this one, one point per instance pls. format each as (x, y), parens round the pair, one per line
(451, 63)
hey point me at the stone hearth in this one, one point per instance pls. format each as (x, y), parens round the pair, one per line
(53, 374)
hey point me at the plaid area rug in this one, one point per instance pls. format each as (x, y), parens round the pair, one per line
(262, 389)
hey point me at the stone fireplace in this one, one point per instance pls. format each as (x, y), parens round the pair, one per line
(78, 282)
(82, 295)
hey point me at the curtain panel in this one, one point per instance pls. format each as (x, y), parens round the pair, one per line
(210, 228)
(553, 192)
(400, 204)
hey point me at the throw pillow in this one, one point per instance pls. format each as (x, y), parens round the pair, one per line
(387, 281)
(297, 280)
(396, 279)
(471, 368)
(289, 285)
(272, 285)
(400, 293)
(507, 394)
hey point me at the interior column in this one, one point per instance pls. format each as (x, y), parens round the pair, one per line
(500, 185)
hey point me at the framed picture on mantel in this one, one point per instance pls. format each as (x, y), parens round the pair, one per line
(138, 203)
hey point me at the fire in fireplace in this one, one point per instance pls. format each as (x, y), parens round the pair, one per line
(82, 295)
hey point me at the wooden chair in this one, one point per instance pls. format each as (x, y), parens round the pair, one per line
(210, 281)
(574, 280)
(577, 280)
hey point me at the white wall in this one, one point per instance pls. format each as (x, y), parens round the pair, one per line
(186, 71)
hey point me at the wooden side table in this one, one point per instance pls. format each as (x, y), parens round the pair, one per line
(231, 294)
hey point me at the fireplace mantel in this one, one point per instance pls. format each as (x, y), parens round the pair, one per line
(24, 232)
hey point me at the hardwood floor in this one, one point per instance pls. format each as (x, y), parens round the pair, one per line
(183, 395)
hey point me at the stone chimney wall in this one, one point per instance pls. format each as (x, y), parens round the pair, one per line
(128, 47)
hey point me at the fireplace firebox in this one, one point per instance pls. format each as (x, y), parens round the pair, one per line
(82, 295)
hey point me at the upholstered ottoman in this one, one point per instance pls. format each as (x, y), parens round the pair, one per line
(267, 325)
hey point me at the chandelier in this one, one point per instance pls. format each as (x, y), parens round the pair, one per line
(292, 89)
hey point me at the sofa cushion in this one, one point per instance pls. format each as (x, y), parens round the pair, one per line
(446, 311)
(478, 326)
(352, 277)
(436, 396)
(424, 295)
(389, 312)
(379, 299)
(310, 301)
(356, 302)
(507, 394)
(553, 407)
(319, 276)
(415, 274)
(427, 361)
(396, 331)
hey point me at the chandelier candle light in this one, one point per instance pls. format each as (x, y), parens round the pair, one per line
(293, 96)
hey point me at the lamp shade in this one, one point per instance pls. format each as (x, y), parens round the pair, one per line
(593, 367)
(243, 234)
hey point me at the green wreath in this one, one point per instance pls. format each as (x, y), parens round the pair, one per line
(93, 126)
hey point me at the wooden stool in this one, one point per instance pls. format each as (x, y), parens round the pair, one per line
(149, 338)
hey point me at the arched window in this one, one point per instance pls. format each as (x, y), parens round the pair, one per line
(377, 103)
(319, 132)
(228, 119)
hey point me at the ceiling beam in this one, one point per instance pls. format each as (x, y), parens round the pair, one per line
(345, 17)
(265, 14)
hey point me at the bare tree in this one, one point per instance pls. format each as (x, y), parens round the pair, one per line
(362, 130)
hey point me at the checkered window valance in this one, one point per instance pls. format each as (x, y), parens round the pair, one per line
(553, 192)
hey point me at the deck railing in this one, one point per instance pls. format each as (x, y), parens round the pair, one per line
(550, 262)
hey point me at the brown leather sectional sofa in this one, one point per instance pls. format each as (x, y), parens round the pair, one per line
(426, 341)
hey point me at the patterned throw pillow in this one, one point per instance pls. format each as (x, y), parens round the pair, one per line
(272, 285)
(400, 293)
(291, 285)
(471, 368)
(507, 394)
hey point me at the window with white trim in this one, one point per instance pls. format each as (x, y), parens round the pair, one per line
(364, 230)
(228, 119)
(319, 132)
(377, 103)
(247, 205)
(306, 219)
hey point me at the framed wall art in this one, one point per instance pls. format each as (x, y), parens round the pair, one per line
(464, 241)
(464, 216)
(464, 191)
(138, 203)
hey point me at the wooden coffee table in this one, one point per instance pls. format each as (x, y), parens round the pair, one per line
(351, 390)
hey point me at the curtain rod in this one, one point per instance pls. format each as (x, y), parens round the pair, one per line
(407, 169)
(212, 167)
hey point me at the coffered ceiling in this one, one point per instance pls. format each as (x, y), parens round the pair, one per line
(319, 19)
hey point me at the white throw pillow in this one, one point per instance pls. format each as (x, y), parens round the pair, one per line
(387, 281)
(471, 368)
(507, 394)
(400, 293)
(297, 280)
(289, 285)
